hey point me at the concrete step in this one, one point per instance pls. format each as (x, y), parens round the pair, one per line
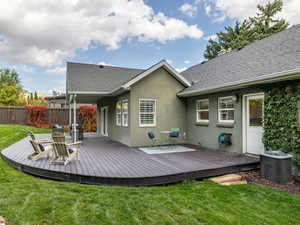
(234, 182)
(226, 178)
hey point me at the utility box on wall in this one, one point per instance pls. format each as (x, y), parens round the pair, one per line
(225, 139)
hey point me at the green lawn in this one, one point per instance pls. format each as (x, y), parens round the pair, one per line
(28, 200)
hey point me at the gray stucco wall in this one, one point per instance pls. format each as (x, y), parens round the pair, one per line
(170, 110)
(118, 133)
(207, 136)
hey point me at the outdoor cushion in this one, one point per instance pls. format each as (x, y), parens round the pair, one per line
(174, 134)
(72, 150)
(151, 135)
(42, 147)
(45, 147)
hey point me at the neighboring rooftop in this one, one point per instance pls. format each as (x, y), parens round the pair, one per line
(98, 78)
(55, 97)
(277, 53)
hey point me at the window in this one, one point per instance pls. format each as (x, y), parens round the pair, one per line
(226, 109)
(202, 110)
(119, 113)
(125, 113)
(147, 109)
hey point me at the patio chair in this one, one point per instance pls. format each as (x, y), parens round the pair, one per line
(41, 150)
(58, 137)
(174, 135)
(65, 152)
(38, 140)
(152, 137)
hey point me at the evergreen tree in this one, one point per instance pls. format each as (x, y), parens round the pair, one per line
(262, 25)
(35, 96)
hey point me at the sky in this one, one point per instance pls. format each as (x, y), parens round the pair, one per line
(38, 37)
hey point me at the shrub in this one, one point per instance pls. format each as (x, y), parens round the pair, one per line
(37, 116)
(87, 117)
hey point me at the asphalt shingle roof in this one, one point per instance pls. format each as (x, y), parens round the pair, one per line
(92, 78)
(277, 53)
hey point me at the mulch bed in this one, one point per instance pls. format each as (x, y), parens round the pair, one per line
(253, 177)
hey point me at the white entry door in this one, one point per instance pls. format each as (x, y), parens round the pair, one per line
(254, 123)
(104, 121)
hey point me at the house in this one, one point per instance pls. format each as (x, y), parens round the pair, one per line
(56, 102)
(59, 102)
(222, 95)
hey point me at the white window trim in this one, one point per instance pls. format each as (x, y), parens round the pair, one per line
(123, 123)
(219, 110)
(202, 110)
(154, 117)
(117, 114)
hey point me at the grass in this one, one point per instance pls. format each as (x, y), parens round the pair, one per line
(28, 200)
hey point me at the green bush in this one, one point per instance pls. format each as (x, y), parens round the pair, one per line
(281, 125)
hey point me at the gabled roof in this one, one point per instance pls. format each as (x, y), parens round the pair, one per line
(272, 57)
(110, 80)
(97, 78)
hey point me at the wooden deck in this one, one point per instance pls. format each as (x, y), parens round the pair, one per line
(106, 162)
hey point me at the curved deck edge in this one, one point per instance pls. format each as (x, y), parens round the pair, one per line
(134, 181)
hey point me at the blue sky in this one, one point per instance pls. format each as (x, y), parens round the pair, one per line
(42, 41)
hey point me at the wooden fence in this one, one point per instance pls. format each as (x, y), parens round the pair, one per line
(18, 115)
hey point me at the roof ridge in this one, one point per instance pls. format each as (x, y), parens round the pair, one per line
(246, 46)
(92, 64)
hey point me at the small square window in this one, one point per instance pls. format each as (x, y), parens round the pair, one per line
(202, 110)
(226, 109)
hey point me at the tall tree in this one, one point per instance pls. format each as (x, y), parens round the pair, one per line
(260, 26)
(9, 95)
(35, 96)
(9, 77)
(10, 87)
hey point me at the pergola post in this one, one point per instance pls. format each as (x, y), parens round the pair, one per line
(74, 119)
(70, 114)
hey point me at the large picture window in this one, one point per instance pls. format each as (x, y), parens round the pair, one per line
(119, 113)
(147, 112)
(202, 110)
(226, 109)
(125, 113)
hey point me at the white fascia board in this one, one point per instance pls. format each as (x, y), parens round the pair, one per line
(114, 92)
(164, 64)
(275, 77)
(89, 92)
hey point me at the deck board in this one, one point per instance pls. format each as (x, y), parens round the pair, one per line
(103, 161)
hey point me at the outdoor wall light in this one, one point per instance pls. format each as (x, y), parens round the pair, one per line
(236, 98)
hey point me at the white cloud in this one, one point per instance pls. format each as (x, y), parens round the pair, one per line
(56, 91)
(237, 9)
(188, 9)
(47, 33)
(213, 37)
(26, 69)
(179, 70)
(207, 10)
(169, 61)
(57, 70)
(104, 63)
(187, 62)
